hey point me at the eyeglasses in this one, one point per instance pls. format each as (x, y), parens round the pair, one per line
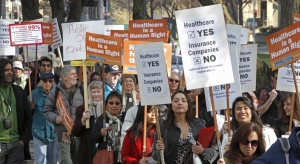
(174, 80)
(46, 65)
(254, 143)
(116, 103)
(45, 81)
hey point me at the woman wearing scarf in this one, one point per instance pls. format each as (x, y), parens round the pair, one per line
(87, 149)
(108, 136)
(130, 96)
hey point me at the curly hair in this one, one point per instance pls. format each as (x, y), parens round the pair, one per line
(234, 154)
(282, 115)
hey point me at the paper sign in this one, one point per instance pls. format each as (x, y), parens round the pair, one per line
(26, 34)
(219, 91)
(5, 48)
(296, 17)
(247, 67)
(119, 33)
(42, 50)
(157, 16)
(129, 65)
(48, 33)
(108, 28)
(234, 36)
(204, 46)
(57, 41)
(74, 38)
(102, 48)
(148, 30)
(244, 35)
(150, 63)
(285, 80)
(80, 63)
(284, 46)
(64, 114)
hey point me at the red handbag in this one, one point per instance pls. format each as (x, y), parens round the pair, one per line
(104, 157)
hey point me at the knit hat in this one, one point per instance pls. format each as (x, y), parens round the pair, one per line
(130, 76)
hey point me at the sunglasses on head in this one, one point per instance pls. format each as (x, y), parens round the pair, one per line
(174, 80)
(47, 80)
(254, 143)
(112, 103)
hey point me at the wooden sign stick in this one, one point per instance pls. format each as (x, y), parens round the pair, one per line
(297, 96)
(145, 131)
(59, 53)
(228, 111)
(162, 158)
(215, 120)
(104, 110)
(29, 81)
(85, 93)
(292, 111)
(197, 112)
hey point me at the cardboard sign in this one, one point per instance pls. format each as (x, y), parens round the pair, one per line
(244, 35)
(119, 33)
(129, 64)
(74, 38)
(26, 34)
(57, 41)
(80, 63)
(154, 30)
(42, 50)
(5, 48)
(102, 48)
(108, 28)
(296, 17)
(284, 46)
(204, 46)
(219, 91)
(247, 67)
(234, 36)
(64, 113)
(47, 33)
(285, 80)
(150, 63)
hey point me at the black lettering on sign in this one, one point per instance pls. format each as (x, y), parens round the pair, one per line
(153, 63)
(245, 59)
(156, 89)
(243, 76)
(205, 32)
(223, 87)
(207, 59)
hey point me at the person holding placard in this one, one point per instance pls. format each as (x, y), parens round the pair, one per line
(174, 82)
(178, 132)
(285, 106)
(130, 96)
(243, 112)
(19, 77)
(246, 145)
(133, 141)
(112, 79)
(108, 135)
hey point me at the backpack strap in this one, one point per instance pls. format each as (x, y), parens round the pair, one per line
(285, 144)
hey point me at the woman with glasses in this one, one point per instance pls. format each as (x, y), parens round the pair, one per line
(111, 131)
(174, 80)
(133, 141)
(243, 112)
(44, 139)
(130, 96)
(87, 149)
(246, 145)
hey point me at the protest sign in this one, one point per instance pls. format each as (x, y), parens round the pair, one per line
(5, 48)
(247, 67)
(47, 33)
(219, 91)
(42, 50)
(148, 30)
(150, 63)
(129, 64)
(26, 34)
(284, 46)
(204, 46)
(57, 41)
(64, 114)
(234, 36)
(108, 28)
(157, 16)
(285, 80)
(102, 48)
(119, 33)
(296, 17)
(74, 38)
(80, 63)
(244, 35)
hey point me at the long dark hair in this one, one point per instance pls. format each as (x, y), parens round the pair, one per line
(234, 153)
(247, 102)
(190, 115)
(138, 122)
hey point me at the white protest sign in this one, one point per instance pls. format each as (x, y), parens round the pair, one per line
(157, 16)
(234, 36)
(219, 91)
(285, 80)
(247, 67)
(74, 38)
(26, 34)
(57, 41)
(42, 50)
(108, 28)
(244, 35)
(5, 48)
(204, 46)
(151, 70)
(178, 51)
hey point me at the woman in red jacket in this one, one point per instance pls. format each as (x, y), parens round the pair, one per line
(133, 142)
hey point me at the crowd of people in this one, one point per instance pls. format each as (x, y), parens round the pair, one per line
(117, 126)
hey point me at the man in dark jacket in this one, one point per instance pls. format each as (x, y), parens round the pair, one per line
(15, 117)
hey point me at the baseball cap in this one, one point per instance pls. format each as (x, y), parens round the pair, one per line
(46, 76)
(18, 64)
(112, 69)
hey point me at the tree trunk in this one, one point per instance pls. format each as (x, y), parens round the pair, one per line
(240, 12)
(75, 11)
(139, 10)
(30, 9)
(288, 8)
